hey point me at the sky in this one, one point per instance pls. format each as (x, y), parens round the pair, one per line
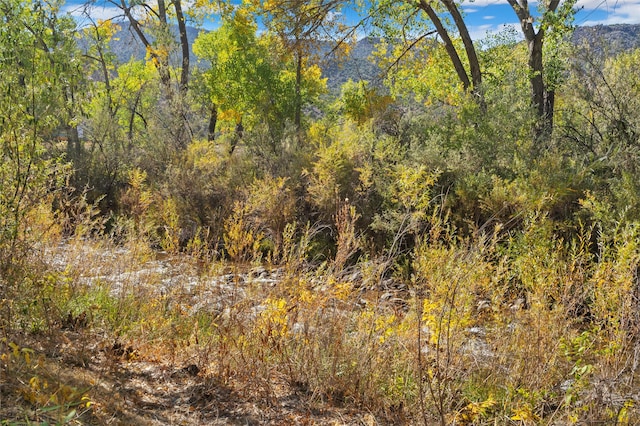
(483, 17)
(490, 15)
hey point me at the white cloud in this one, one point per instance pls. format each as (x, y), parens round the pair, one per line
(616, 12)
(481, 3)
(480, 32)
(333, 15)
(80, 12)
(590, 12)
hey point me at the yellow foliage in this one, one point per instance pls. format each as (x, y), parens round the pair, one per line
(306, 296)
(424, 72)
(138, 198)
(525, 415)
(155, 54)
(413, 186)
(614, 284)
(315, 83)
(342, 290)
(170, 220)
(241, 242)
(273, 321)
(384, 326)
(318, 133)
(231, 115)
(42, 222)
(450, 277)
(623, 416)
(474, 411)
(107, 28)
(203, 155)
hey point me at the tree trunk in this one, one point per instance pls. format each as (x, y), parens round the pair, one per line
(184, 134)
(162, 11)
(74, 148)
(213, 121)
(536, 69)
(474, 64)
(448, 43)
(184, 44)
(132, 117)
(542, 100)
(298, 94)
(237, 137)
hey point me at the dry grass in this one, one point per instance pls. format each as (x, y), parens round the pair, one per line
(486, 331)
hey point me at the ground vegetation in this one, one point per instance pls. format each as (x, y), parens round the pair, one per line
(226, 241)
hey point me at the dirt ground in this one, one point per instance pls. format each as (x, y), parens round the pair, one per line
(125, 386)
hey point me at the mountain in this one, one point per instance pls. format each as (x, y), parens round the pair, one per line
(608, 39)
(356, 65)
(126, 45)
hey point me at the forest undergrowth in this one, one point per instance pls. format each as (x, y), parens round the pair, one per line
(495, 328)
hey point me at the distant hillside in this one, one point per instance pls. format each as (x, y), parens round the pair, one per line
(126, 45)
(355, 66)
(608, 39)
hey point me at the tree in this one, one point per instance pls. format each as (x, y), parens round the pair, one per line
(232, 54)
(153, 22)
(552, 24)
(299, 24)
(404, 22)
(248, 80)
(555, 19)
(37, 76)
(158, 19)
(474, 65)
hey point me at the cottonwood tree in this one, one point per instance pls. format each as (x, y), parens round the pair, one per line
(247, 79)
(300, 24)
(232, 54)
(152, 22)
(38, 72)
(411, 22)
(552, 23)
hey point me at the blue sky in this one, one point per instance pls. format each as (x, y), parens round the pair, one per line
(482, 16)
(490, 15)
